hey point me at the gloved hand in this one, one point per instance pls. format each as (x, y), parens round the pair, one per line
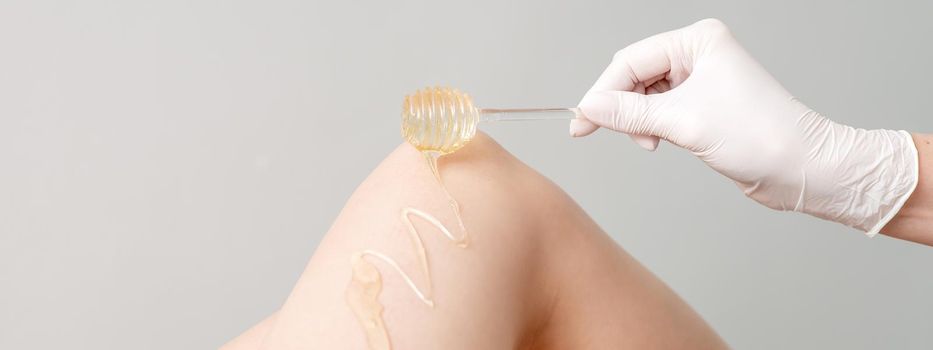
(697, 88)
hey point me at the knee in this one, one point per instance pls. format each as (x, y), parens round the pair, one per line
(513, 215)
(509, 211)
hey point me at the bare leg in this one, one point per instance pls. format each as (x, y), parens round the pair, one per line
(539, 273)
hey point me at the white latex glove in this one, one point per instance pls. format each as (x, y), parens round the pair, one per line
(697, 88)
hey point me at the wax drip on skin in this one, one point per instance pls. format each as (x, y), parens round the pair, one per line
(363, 297)
(432, 158)
(366, 284)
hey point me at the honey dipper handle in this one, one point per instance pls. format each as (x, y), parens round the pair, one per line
(520, 114)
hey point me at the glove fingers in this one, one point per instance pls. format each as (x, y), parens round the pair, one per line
(628, 112)
(646, 141)
(582, 127)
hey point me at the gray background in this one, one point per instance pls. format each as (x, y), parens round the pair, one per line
(168, 167)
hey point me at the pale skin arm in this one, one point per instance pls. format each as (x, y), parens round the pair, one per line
(540, 274)
(914, 222)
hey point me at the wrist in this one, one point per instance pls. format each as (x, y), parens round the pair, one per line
(913, 221)
(902, 179)
(860, 178)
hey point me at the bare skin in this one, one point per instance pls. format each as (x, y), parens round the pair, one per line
(539, 273)
(914, 222)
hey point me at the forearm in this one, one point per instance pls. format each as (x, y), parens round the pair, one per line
(914, 222)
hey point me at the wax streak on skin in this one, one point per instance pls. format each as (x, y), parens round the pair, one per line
(363, 298)
(363, 292)
(432, 158)
(426, 295)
